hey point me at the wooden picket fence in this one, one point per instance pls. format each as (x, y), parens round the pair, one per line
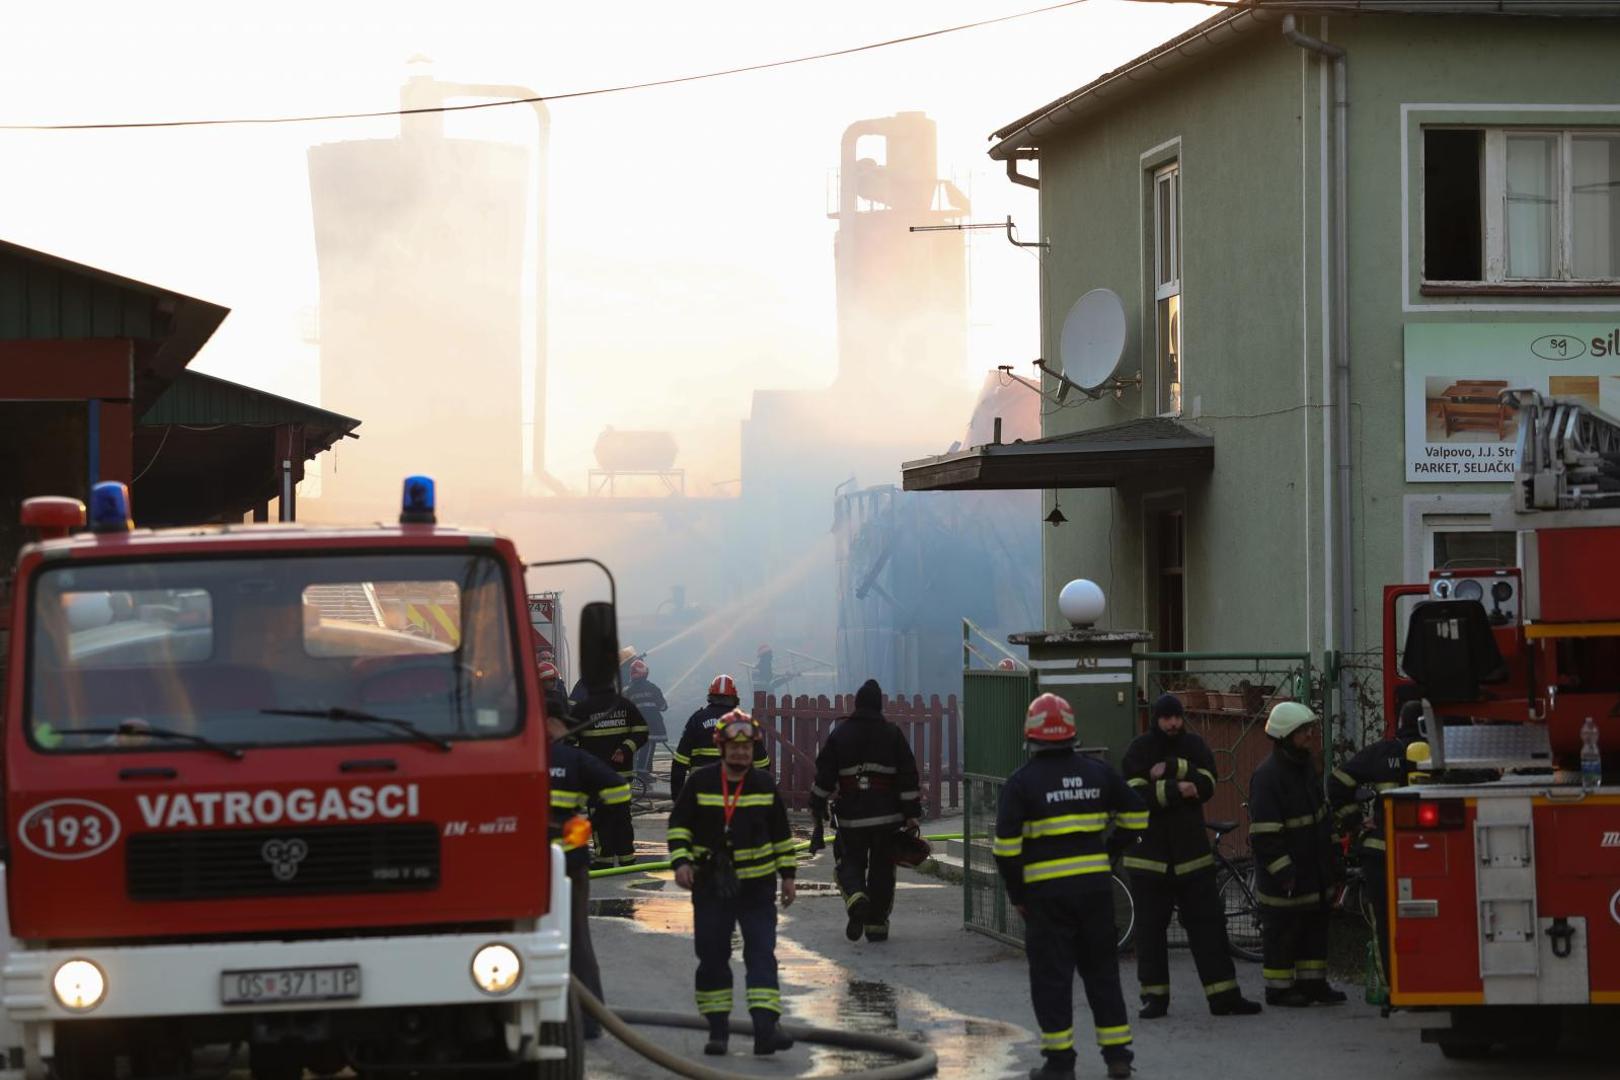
(796, 727)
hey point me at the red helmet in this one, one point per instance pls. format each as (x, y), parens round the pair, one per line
(548, 672)
(907, 848)
(1050, 720)
(736, 726)
(638, 669)
(1007, 664)
(723, 686)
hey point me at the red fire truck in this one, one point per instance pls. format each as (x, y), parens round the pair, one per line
(247, 807)
(1504, 867)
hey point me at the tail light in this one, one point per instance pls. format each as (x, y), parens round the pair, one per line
(1430, 814)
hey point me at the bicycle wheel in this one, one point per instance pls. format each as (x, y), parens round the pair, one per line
(1124, 911)
(1235, 882)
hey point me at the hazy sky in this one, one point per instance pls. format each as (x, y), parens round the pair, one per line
(690, 253)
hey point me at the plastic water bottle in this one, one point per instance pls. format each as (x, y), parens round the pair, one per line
(1591, 756)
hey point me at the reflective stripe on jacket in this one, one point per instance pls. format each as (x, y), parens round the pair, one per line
(580, 781)
(1290, 831)
(1176, 841)
(760, 840)
(1053, 822)
(867, 770)
(696, 747)
(1381, 766)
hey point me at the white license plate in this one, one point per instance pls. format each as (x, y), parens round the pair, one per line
(272, 986)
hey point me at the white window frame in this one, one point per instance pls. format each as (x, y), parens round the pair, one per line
(1493, 184)
(1167, 284)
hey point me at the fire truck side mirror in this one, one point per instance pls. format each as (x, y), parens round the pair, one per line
(598, 644)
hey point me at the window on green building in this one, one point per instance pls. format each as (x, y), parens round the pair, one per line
(1167, 286)
(1511, 205)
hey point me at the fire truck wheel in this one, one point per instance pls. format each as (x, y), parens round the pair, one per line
(1458, 1050)
(571, 1037)
(81, 1059)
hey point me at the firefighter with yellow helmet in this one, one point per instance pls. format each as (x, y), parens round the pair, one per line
(1291, 832)
(1052, 848)
(728, 842)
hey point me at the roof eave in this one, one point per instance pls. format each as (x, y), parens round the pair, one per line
(1022, 138)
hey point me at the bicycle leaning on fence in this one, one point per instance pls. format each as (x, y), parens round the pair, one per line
(1234, 881)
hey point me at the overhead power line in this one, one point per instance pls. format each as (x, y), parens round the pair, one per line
(674, 81)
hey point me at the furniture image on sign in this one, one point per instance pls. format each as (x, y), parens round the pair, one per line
(1474, 405)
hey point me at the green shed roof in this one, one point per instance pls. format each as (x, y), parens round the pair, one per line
(199, 400)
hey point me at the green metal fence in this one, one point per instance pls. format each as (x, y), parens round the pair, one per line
(993, 707)
(985, 907)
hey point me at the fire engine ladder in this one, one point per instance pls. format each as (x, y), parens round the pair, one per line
(1569, 454)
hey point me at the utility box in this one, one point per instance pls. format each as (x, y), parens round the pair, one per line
(1092, 670)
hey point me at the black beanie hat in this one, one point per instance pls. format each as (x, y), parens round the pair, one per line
(869, 698)
(1167, 705)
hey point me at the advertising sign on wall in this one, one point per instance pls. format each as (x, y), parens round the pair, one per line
(1457, 427)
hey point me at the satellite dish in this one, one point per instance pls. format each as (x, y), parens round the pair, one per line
(1093, 340)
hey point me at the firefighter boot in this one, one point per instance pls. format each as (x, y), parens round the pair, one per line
(1319, 992)
(1154, 1006)
(856, 905)
(1291, 998)
(719, 1034)
(768, 1035)
(1055, 1067)
(877, 931)
(1119, 1065)
(1232, 1003)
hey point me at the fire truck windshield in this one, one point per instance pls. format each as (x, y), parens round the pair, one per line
(267, 651)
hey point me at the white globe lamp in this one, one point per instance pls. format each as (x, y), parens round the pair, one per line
(1081, 602)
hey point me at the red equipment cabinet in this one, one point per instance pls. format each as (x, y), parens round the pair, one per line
(245, 803)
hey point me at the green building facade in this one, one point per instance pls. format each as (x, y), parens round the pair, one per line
(1483, 251)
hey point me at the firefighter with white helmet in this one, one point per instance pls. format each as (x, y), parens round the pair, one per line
(697, 746)
(728, 842)
(1291, 832)
(1051, 846)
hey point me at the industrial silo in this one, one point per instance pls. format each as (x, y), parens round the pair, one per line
(420, 241)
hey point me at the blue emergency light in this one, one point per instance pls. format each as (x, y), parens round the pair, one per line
(418, 505)
(109, 507)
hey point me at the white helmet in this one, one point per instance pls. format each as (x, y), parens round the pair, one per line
(1288, 717)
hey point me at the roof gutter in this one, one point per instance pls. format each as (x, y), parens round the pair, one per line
(1344, 579)
(1020, 141)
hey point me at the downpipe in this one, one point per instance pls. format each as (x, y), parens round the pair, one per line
(1344, 585)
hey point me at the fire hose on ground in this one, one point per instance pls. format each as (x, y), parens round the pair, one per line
(917, 1060)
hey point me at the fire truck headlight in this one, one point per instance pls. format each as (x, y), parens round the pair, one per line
(79, 985)
(495, 969)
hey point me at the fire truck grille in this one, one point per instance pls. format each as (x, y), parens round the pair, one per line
(283, 862)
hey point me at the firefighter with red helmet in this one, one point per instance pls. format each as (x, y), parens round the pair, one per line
(728, 843)
(1051, 846)
(867, 770)
(1292, 838)
(697, 746)
(1172, 869)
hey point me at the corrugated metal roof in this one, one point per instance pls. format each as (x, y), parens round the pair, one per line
(199, 400)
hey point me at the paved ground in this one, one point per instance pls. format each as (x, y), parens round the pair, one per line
(967, 996)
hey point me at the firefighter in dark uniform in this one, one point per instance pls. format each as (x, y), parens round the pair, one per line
(868, 771)
(647, 697)
(1292, 836)
(1052, 849)
(581, 783)
(1172, 868)
(697, 746)
(1379, 766)
(728, 843)
(610, 728)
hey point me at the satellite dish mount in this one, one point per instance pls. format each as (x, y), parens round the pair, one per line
(1092, 347)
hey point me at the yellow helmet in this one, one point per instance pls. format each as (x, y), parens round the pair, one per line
(1288, 717)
